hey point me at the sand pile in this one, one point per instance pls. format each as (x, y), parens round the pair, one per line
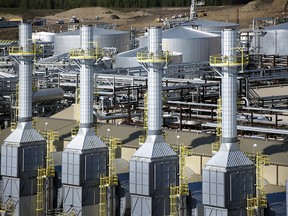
(266, 5)
(279, 5)
(89, 13)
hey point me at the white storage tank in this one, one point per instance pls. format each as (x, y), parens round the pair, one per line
(210, 26)
(129, 58)
(195, 45)
(65, 41)
(272, 40)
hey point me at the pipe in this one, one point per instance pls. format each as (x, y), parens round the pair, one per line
(114, 116)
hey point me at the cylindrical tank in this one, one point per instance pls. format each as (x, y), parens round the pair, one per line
(272, 40)
(129, 58)
(65, 41)
(196, 46)
(210, 26)
(48, 94)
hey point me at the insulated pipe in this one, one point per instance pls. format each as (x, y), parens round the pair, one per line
(229, 88)
(155, 83)
(25, 72)
(86, 77)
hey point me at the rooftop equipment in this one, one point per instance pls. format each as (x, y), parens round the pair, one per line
(85, 157)
(154, 166)
(229, 176)
(24, 150)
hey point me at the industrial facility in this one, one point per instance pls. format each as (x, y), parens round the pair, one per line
(186, 119)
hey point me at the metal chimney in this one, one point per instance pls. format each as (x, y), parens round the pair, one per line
(85, 157)
(86, 77)
(24, 150)
(25, 73)
(154, 166)
(223, 191)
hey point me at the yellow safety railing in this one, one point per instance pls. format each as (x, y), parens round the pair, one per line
(86, 54)
(28, 50)
(104, 183)
(183, 184)
(260, 201)
(216, 144)
(165, 56)
(220, 60)
(16, 109)
(174, 196)
(40, 191)
(7, 208)
(142, 137)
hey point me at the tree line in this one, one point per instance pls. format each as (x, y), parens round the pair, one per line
(69, 4)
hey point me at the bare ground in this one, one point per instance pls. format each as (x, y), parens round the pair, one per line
(143, 18)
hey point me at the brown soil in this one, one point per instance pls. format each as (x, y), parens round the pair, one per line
(143, 18)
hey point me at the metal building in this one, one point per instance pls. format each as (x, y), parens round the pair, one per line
(154, 166)
(84, 160)
(24, 150)
(129, 58)
(65, 41)
(196, 46)
(272, 40)
(223, 193)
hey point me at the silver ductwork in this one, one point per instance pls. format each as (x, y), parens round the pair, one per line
(154, 161)
(86, 77)
(155, 83)
(223, 171)
(25, 72)
(85, 158)
(229, 88)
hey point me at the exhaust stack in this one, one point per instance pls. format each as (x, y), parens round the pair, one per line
(24, 150)
(154, 166)
(85, 157)
(229, 164)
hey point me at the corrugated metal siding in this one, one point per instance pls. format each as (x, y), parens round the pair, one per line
(274, 42)
(154, 150)
(28, 206)
(229, 159)
(24, 133)
(90, 210)
(64, 42)
(86, 139)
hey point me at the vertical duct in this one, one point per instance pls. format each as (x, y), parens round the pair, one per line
(229, 176)
(154, 166)
(24, 150)
(85, 158)
(155, 83)
(86, 78)
(25, 73)
(229, 88)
